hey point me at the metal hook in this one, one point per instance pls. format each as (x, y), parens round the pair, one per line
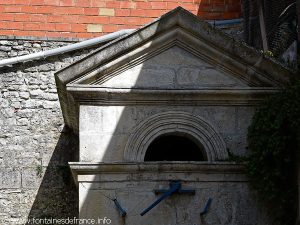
(205, 210)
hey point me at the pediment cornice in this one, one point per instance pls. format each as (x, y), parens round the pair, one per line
(82, 82)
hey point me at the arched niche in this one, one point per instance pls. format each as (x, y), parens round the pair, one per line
(175, 122)
(175, 147)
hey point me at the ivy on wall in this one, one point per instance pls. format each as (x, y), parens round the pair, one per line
(274, 140)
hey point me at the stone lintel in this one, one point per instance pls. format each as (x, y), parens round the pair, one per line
(190, 171)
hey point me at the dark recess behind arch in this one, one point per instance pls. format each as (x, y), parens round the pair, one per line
(173, 147)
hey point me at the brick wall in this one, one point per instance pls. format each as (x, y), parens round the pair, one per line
(90, 18)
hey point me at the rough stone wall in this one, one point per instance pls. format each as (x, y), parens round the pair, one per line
(34, 144)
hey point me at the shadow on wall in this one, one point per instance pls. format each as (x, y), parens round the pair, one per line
(219, 10)
(57, 195)
(105, 131)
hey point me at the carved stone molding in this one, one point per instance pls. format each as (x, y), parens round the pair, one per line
(175, 122)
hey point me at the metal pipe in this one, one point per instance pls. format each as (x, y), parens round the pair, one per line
(68, 48)
(123, 212)
(225, 22)
(174, 187)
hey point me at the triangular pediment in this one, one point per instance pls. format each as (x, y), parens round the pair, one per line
(175, 52)
(174, 68)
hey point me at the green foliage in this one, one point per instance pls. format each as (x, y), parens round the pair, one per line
(274, 138)
(39, 170)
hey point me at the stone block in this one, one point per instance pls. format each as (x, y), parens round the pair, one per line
(10, 178)
(24, 95)
(94, 28)
(106, 12)
(36, 93)
(31, 177)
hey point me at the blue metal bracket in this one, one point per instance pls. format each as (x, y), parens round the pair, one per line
(175, 187)
(205, 210)
(123, 212)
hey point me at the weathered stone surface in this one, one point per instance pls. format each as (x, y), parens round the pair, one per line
(31, 137)
(10, 178)
(135, 184)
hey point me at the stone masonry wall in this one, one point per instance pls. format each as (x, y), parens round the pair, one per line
(35, 146)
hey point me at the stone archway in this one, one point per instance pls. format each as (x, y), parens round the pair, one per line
(175, 122)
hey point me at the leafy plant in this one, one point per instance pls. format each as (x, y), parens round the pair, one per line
(274, 141)
(39, 170)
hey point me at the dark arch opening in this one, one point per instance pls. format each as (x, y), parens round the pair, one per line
(174, 147)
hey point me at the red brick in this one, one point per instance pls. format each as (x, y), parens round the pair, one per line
(156, 0)
(122, 12)
(52, 2)
(218, 8)
(84, 35)
(217, 1)
(7, 32)
(127, 5)
(31, 26)
(15, 26)
(187, 1)
(69, 18)
(63, 27)
(37, 2)
(46, 9)
(21, 17)
(109, 28)
(67, 3)
(74, 10)
(138, 12)
(12, 8)
(134, 21)
(22, 2)
(143, 5)
(83, 3)
(53, 34)
(78, 28)
(154, 13)
(189, 6)
(146, 20)
(233, 8)
(7, 16)
(230, 15)
(67, 34)
(213, 16)
(3, 25)
(205, 7)
(54, 19)
(233, 2)
(38, 18)
(198, 2)
(47, 26)
(158, 5)
(68, 10)
(98, 3)
(35, 33)
(5, 2)
(94, 19)
(127, 26)
(117, 20)
(172, 5)
(29, 9)
(91, 11)
(115, 5)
